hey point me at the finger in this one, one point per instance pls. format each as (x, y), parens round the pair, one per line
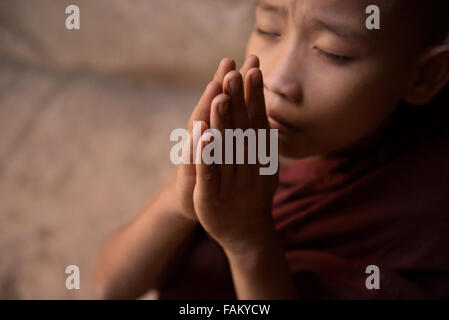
(202, 109)
(207, 175)
(215, 87)
(239, 116)
(255, 102)
(226, 65)
(233, 86)
(221, 120)
(256, 107)
(251, 61)
(186, 176)
(255, 99)
(187, 167)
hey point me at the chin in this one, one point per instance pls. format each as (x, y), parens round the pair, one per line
(295, 151)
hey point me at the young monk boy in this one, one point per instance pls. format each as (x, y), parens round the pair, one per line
(363, 188)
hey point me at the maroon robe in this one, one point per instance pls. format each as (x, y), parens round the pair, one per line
(387, 205)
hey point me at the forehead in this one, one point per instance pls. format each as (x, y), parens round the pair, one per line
(346, 17)
(354, 10)
(331, 4)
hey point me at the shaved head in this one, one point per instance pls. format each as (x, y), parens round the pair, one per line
(425, 21)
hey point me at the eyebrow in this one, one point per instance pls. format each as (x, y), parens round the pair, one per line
(266, 6)
(341, 30)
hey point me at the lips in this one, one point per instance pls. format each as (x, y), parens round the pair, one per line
(275, 106)
(281, 124)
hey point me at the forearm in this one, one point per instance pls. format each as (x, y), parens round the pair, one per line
(135, 257)
(262, 273)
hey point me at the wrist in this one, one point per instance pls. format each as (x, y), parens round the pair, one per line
(262, 273)
(266, 243)
(173, 212)
(167, 201)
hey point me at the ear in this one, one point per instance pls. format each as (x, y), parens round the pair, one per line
(431, 76)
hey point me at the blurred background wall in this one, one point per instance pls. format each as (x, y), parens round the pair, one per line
(85, 118)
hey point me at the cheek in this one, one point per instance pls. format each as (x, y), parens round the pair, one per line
(342, 106)
(260, 48)
(252, 46)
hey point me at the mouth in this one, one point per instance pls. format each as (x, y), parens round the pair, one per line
(281, 125)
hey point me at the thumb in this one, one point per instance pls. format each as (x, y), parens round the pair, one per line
(207, 175)
(186, 172)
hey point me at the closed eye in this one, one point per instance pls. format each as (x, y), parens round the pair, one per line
(268, 34)
(332, 56)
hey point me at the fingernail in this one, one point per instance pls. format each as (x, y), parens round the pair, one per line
(235, 85)
(223, 108)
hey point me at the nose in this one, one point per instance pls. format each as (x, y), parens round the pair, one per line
(282, 76)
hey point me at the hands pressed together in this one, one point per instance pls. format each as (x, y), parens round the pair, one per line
(231, 201)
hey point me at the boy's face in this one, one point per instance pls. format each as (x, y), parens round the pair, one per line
(329, 80)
